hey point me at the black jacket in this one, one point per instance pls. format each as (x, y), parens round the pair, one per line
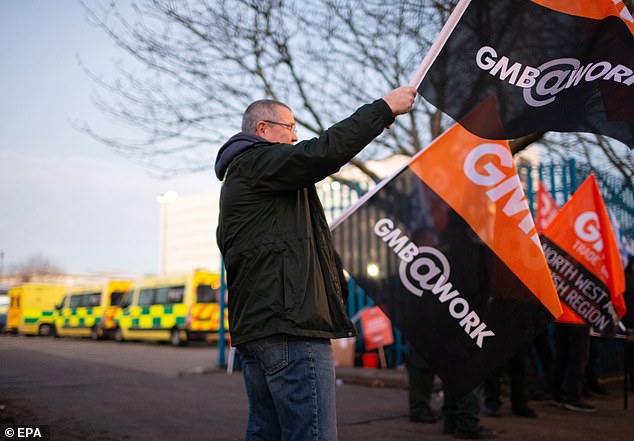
(272, 232)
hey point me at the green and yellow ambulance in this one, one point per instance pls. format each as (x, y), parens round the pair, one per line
(32, 308)
(89, 311)
(177, 309)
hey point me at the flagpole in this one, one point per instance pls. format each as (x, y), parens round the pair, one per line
(431, 55)
(435, 49)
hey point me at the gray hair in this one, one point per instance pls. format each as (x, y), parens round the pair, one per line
(258, 111)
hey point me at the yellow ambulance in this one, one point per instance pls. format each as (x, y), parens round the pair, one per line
(177, 309)
(4, 306)
(32, 308)
(89, 311)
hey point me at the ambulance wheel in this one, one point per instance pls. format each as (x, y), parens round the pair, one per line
(45, 330)
(118, 335)
(94, 334)
(175, 338)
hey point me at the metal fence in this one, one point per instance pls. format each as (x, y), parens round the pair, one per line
(562, 179)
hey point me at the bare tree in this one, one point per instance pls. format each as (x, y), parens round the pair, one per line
(35, 267)
(196, 64)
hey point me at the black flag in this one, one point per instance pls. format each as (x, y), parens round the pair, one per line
(540, 65)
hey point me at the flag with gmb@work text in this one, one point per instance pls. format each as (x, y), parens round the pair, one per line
(538, 65)
(447, 248)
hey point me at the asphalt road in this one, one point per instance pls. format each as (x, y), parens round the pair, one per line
(107, 391)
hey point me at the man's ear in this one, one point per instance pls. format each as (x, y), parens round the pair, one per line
(261, 128)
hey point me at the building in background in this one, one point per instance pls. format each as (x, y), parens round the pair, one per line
(188, 232)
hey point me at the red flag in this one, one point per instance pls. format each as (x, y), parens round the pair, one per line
(560, 65)
(584, 259)
(456, 263)
(546, 208)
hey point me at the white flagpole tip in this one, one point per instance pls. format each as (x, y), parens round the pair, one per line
(435, 48)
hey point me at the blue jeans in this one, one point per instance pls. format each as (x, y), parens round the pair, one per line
(290, 383)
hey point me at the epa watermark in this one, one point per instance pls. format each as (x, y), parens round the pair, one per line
(26, 432)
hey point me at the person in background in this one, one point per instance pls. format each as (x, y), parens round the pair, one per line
(421, 382)
(544, 355)
(462, 415)
(419, 372)
(591, 384)
(517, 369)
(572, 346)
(285, 300)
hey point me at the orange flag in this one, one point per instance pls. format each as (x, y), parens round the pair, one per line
(447, 248)
(480, 182)
(584, 259)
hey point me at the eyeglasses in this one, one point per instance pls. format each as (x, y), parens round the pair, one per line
(291, 127)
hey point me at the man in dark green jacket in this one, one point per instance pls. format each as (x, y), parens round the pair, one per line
(285, 300)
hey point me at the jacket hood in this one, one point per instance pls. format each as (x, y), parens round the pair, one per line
(237, 144)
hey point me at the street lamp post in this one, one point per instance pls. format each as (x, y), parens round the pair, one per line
(164, 199)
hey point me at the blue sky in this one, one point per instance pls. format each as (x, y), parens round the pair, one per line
(63, 195)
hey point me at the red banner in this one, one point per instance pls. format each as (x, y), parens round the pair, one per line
(546, 208)
(376, 328)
